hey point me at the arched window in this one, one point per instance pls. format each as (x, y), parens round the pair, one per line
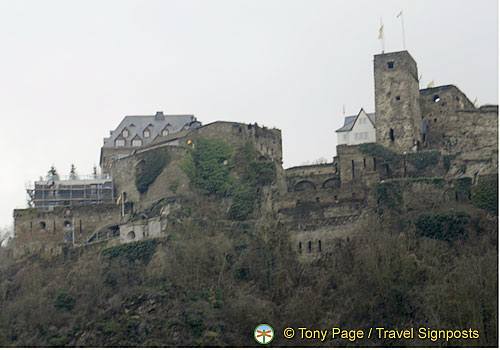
(147, 133)
(42, 225)
(131, 235)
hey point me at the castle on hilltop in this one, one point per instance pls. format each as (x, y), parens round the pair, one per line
(413, 136)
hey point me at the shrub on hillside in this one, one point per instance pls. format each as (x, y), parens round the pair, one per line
(151, 165)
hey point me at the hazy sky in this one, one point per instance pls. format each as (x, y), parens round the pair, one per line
(71, 70)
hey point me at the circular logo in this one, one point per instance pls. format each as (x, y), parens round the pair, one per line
(263, 333)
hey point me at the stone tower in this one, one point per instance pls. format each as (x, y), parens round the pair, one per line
(397, 107)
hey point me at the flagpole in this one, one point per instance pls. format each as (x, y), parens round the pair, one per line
(382, 35)
(403, 25)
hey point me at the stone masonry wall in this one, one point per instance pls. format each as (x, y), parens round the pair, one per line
(468, 134)
(397, 105)
(47, 232)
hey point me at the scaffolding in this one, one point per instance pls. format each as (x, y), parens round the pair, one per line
(71, 191)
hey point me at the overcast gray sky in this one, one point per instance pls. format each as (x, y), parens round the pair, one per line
(71, 70)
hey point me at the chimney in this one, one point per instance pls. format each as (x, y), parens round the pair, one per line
(159, 116)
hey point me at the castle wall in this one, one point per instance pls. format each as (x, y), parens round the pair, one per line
(357, 168)
(172, 177)
(47, 232)
(457, 128)
(320, 176)
(172, 180)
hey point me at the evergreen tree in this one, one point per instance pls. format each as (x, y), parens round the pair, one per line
(52, 173)
(72, 172)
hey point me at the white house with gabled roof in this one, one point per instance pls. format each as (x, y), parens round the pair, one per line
(357, 129)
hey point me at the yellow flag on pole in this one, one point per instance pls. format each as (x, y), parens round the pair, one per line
(400, 14)
(431, 84)
(119, 200)
(475, 101)
(420, 78)
(381, 32)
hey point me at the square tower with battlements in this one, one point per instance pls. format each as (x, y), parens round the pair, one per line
(397, 107)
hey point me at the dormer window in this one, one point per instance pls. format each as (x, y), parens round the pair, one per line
(147, 133)
(119, 142)
(125, 132)
(136, 141)
(164, 132)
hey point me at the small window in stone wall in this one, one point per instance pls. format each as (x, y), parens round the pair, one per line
(398, 98)
(67, 224)
(319, 245)
(390, 64)
(300, 247)
(309, 246)
(42, 225)
(436, 98)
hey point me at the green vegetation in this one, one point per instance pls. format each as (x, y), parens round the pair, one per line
(243, 203)
(424, 159)
(389, 195)
(141, 250)
(485, 194)
(445, 227)
(208, 167)
(257, 173)
(447, 161)
(64, 300)
(210, 283)
(379, 151)
(151, 165)
(463, 188)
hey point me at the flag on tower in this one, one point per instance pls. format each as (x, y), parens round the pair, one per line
(431, 84)
(475, 101)
(400, 14)
(381, 32)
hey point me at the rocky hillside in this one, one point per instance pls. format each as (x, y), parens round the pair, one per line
(211, 281)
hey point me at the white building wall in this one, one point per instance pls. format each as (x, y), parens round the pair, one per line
(362, 132)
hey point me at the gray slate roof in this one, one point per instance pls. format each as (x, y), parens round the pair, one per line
(136, 124)
(349, 121)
